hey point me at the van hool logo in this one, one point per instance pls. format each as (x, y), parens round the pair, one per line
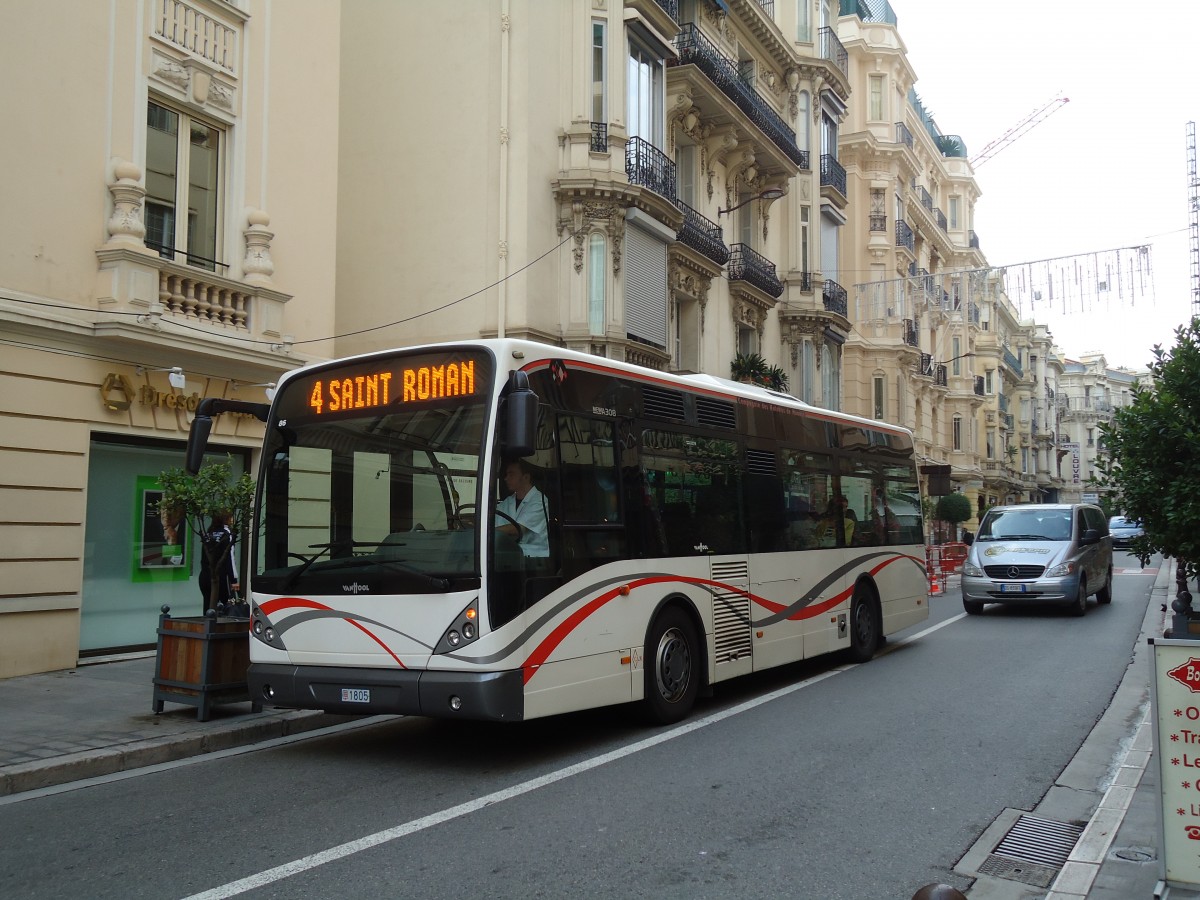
(356, 588)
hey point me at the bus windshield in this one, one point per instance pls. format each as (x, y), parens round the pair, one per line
(371, 477)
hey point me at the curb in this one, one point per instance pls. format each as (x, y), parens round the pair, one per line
(31, 776)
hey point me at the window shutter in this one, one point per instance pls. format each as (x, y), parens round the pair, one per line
(645, 287)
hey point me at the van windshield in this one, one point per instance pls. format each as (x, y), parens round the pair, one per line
(1026, 525)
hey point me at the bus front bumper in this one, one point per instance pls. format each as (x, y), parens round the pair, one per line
(485, 696)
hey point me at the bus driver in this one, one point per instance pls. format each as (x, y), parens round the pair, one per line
(526, 505)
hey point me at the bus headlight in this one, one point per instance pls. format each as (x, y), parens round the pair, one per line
(460, 632)
(453, 638)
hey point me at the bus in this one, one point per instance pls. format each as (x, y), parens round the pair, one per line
(695, 529)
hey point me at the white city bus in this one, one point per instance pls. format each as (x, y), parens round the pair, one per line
(698, 529)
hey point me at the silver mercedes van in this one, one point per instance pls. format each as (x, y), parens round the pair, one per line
(1034, 554)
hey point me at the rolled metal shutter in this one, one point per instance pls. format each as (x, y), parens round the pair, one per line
(645, 286)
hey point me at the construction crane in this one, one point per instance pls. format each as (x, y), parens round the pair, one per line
(1031, 121)
(1194, 216)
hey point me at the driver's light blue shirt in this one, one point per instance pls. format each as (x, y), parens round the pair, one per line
(531, 516)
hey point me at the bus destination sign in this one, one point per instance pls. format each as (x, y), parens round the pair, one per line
(382, 387)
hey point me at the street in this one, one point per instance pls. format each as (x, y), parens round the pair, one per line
(817, 780)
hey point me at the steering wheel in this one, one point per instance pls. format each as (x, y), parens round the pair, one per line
(462, 519)
(510, 519)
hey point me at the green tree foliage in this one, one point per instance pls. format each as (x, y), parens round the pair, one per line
(198, 500)
(1151, 467)
(953, 508)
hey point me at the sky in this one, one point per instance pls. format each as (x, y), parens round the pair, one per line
(1109, 169)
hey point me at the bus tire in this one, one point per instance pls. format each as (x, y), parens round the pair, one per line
(672, 668)
(865, 628)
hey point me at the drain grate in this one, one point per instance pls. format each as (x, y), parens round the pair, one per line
(1033, 851)
(1012, 870)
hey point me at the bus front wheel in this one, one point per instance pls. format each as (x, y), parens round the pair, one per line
(672, 667)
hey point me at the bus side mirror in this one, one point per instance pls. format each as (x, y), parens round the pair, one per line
(197, 442)
(520, 416)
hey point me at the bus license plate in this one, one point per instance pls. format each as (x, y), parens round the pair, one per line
(356, 695)
(1004, 589)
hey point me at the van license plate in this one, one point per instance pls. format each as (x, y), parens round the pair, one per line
(1004, 589)
(356, 695)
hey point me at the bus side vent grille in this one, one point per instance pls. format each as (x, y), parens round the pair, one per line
(662, 404)
(715, 413)
(731, 613)
(760, 462)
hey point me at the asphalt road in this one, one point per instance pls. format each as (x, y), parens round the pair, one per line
(815, 781)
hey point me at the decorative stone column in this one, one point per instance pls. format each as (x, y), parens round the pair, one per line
(257, 267)
(125, 226)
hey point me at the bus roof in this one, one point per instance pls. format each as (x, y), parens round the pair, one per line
(519, 350)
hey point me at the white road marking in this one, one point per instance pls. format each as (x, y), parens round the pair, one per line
(341, 851)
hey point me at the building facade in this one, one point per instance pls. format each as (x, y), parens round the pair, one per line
(163, 253)
(241, 186)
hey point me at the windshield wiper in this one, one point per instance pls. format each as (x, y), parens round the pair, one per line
(321, 549)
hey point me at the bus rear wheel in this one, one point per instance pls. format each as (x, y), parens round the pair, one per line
(672, 668)
(865, 628)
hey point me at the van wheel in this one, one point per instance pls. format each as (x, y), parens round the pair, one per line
(973, 607)
(865, 628)
(1079, 606)
(1104, 595)
(672, 668)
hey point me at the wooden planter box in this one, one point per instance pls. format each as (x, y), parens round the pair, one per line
(202, 661)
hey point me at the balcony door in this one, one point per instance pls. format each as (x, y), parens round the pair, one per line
(646, 85)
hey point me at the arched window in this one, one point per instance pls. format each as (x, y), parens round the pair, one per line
(597, 283)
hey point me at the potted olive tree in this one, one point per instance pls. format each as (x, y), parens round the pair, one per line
(202, 660)
(215, 505)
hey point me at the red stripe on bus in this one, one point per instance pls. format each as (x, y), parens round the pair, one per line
(279, 603)
(543, 650)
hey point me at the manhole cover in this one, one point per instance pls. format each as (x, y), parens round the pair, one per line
(1133, 855)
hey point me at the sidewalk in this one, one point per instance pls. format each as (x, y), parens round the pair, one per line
(1111, 786)
(97, 719)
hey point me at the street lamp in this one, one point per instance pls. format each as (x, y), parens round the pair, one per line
(768, 194)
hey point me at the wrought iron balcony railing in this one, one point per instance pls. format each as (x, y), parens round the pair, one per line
(926, 199)
(599, 141)
(831, 48)
(903, 135)
(979, 385)
(834, 296)
(1002, 400)
(833, 173)
(904, 236)
(670, 7)
(702, 235)
(806, 281)
(973, 312)
(753, 268)
(695, 49)
(878, 222)
(648, 166)
(910, 333)
(926, 364)
(768, 6)
(1013, 363)
(941, 218)
(939, 375)
(973, 239)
